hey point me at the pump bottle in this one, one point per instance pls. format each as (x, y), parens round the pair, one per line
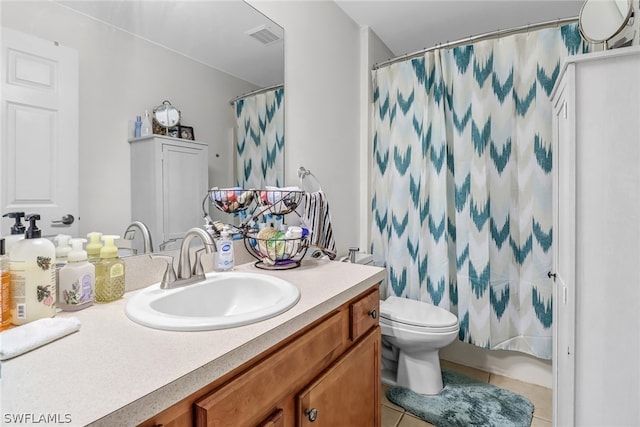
(5, 289)
(63, 249)
(224, 255)
(17, 230)
(76, 279)
(109, 272)
(33, 284)
(94, 246)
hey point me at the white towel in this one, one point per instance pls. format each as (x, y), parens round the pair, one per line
(21, 339)
(318, 219)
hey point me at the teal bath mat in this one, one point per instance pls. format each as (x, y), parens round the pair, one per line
(466, 402)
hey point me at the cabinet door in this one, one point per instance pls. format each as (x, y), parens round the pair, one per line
(564, 211)
(184, 183)
(348, 393)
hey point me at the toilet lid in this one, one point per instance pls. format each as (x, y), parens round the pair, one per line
(416, 313)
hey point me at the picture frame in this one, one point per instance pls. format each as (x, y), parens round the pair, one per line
(186, 132)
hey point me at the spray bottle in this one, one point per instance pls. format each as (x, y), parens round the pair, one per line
(109, 272)
(33, 276)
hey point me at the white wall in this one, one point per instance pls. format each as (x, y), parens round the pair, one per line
(121, 76)
(327, 71)
(322, 105)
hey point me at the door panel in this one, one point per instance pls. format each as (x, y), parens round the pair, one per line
(39, 150)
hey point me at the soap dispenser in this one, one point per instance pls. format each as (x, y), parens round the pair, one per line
(94, 246)
(17, 230)
(76, 279)
(33, 283)
(109, 272)
(62, 249)
(5, 289)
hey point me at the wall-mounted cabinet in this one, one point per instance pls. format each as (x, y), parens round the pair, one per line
(169, 180)
(596, 231)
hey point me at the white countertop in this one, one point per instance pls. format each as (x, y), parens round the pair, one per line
(116, 372)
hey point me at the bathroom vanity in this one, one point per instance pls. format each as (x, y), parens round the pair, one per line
(329, 372)
(319, 360)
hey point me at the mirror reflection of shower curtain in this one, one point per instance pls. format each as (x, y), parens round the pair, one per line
(259, 145)
(462, 183)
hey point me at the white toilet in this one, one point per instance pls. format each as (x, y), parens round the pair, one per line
(413, 332)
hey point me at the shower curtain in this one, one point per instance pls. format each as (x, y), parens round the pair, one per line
(461, 194)
(260, 139)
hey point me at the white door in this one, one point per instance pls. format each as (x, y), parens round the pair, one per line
(39, 149)
(184, 181)
(564, 297)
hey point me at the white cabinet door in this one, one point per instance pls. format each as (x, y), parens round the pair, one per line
(40, 110)
(184, 175)
(169, 180)
(597, 240)
(564, 251)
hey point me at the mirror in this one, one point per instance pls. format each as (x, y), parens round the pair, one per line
(122, 74)
(601, 20)
(166, 114)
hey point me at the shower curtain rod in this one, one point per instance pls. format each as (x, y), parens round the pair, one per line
(480, 37)
(255, 92)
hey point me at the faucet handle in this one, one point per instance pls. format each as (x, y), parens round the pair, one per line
(169, 274)
(198, 269)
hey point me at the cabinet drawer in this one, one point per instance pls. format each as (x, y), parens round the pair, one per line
(363, 314)
(249, 399)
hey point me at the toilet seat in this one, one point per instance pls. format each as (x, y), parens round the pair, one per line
(416, 316)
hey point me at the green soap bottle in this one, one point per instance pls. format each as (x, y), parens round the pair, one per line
(93, 247)
(109, 272)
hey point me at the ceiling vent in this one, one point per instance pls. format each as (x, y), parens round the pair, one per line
(264, 35)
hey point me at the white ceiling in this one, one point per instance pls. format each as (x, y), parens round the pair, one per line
(409, 26)
(213, 31)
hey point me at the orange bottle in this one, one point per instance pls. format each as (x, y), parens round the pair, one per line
(5, 289)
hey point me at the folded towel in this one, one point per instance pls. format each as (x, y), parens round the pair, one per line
(21, 339)
(318, 220)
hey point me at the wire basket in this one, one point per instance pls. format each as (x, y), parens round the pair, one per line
(231, 200)
(279, 202)
(277, 253)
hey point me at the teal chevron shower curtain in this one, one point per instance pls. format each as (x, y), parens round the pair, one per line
(461, 195)
(260, 139)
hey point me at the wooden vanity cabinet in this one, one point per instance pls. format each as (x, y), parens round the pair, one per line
(328, 374)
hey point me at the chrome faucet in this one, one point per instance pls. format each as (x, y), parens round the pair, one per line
(187, 273)
(130, 233)
(185, 269)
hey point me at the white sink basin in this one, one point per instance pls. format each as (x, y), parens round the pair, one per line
(222, 300)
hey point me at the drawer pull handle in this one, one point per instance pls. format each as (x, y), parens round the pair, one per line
(311, 414)
(373, 314)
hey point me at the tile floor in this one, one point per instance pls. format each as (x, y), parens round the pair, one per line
(395, 416)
